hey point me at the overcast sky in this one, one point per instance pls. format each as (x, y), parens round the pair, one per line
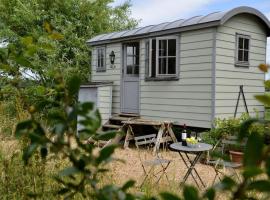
(158, 11)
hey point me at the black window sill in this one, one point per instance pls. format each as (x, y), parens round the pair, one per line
(241, 64)
(162, 78)
(101, 70)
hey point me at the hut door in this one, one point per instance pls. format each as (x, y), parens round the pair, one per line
(130, 80)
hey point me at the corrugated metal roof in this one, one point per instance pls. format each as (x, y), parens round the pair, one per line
(212, 19)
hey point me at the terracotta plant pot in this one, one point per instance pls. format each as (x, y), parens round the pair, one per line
(236, 156)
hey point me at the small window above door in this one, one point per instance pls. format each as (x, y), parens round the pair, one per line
(132, 59)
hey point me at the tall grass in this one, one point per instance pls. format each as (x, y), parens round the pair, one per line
(18, 181)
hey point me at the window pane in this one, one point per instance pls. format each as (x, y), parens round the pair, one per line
(153, 59)
(162, 47)
(129, 69)
(240, 55)
(172, 66)
(172, 47)
(130, 60)
(240, 43)
(162, 65)
(101, 58)
(102, 53)
(137, 60)
(98, 63)
(246, 44)
(129, 50)
(136, 69)
(136, 50)
(246, 56)
(147, 70)
(101, 62)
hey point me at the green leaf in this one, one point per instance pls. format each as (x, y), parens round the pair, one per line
(23, 61)
(227, 183)
(261, 186)
(244, 128)
(28, 40)
(106, 135)
(37, 138)
(56, 36)
(265, 99)
(190, 193)
(69, 171)
(252, 156)
(250, 172)
(73, 85)
(22, 127)
(105, 154)
(169, 196)
(210, 194)
(28, 152)
(128, 185)
(48, 27)
(63, 191)
(87, 106)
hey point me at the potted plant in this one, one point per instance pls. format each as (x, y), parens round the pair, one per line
(236, 153)
(226, 129)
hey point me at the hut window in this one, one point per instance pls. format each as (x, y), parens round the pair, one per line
(243, 47)
(166, 56)
(101, 59)
(162, 59)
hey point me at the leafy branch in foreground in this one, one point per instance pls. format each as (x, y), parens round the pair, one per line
(86, 161)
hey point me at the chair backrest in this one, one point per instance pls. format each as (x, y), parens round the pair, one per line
(145, 140)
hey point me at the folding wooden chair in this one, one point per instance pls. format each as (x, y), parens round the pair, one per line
(221, 165)
(147, 141)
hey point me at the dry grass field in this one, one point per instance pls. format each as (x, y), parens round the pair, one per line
(131, 169)
(128, 166)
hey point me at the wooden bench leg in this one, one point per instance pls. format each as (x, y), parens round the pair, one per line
(129, 136)
(159, 137)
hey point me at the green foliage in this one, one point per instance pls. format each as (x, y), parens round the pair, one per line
(50, 130)
(70, 23)
(20, 182)
(48, 39)
(84, 167)
(231, 127)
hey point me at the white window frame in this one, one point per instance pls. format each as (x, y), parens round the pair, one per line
(237, 62)
(176, 56)
(101, 68)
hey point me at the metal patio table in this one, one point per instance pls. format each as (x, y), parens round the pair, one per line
(190, 164)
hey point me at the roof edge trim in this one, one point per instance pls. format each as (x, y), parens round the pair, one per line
(248, 10)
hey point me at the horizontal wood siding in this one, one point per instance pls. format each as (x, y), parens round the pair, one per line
(229, 77)
(187, 100)
(110, 74)
(104, 102)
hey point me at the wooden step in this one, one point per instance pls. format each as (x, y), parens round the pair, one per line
(111, 126)
(118, 118)
(129, 115)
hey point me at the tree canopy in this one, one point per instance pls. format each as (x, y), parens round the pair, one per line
(71, 22)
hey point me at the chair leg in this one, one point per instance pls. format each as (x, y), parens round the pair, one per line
(237, 175)
(146, 175)
(216, 175)
(163, 172)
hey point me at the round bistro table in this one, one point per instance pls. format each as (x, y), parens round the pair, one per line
(190, 164)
